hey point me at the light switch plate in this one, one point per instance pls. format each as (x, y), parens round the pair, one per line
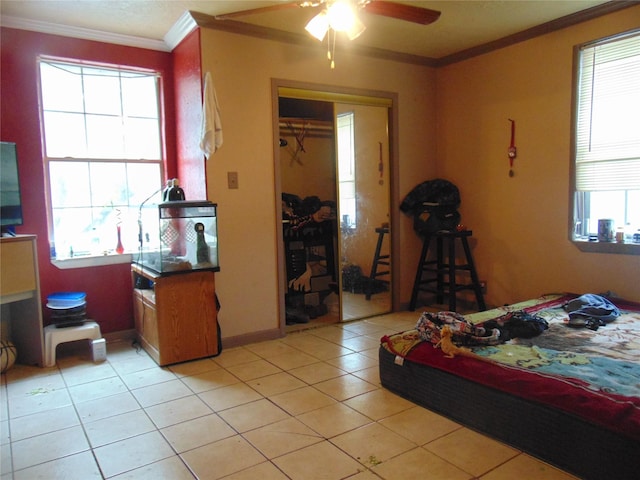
(232, 179)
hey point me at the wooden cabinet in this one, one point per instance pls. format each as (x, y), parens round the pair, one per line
(20, 298)
(175, 315)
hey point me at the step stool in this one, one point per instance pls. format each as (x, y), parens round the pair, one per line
(53, 336)
(442, 269)
(378, 260)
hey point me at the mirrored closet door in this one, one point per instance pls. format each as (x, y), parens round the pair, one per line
(334, 181)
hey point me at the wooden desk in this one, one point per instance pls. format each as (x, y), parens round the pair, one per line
(20, 298)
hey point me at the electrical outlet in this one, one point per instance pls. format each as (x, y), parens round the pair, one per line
(232, 179)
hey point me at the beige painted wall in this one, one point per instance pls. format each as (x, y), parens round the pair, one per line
(520, 223)
(242, 69)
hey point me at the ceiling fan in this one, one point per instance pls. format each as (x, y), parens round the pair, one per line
(341, 16)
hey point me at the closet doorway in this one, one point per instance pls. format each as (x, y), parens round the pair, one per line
(334, 184)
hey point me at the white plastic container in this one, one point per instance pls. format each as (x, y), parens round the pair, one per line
(99, 350)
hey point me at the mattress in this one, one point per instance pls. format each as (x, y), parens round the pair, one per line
(570, 396)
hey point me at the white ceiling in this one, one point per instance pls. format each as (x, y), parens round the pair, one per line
(462, 25)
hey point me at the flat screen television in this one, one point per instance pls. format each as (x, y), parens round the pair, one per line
(10, 199)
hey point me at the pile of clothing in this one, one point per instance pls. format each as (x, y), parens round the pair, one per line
(299, 212)
(591, 311)
(434, 206)
(518, 324)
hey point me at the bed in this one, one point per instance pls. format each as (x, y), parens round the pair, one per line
(569, 396)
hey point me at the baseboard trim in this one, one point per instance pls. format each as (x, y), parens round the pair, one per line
(227, 342)
(120, 336)
(254, 337)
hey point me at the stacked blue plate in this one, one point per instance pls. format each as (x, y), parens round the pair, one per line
(67, 309)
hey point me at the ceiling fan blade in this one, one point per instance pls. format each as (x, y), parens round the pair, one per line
(254, 11)
(408, 13)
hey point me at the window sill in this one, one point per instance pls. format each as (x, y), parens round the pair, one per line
(607, 247)
(89, 261)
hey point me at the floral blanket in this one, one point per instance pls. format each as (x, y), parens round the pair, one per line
(607, 359)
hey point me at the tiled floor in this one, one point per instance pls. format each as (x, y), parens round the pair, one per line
(307, 406)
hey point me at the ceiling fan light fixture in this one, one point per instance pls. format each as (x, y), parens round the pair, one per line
(338, 16)
(318, 26)
(357, 27)
(341, 16)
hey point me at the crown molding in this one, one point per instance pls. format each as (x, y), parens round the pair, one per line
(539, 30)
(178, 32)
(82, 33)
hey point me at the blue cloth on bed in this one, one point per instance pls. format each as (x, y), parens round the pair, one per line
(591, 310)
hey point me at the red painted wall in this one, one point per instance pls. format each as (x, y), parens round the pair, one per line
(188, 92)
(108, 288)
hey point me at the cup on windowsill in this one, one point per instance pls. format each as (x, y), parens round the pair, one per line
(606, 230)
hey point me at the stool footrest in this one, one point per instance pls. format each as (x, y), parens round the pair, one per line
(378, 274)
(445, 267)
(53, 336)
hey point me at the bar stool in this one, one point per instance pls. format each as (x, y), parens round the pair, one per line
(449, 270)
(378, 260)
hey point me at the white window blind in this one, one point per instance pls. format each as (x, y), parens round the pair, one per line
(608, 116)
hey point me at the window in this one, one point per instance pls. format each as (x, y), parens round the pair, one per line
(607, 143)
(102, 153)
(346, 169)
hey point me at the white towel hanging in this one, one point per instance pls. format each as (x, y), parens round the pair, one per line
(211, 134)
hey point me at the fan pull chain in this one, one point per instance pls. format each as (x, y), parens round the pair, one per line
(331, 47)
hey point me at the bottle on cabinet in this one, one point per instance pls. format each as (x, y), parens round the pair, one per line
(173, 192)
(165, 192)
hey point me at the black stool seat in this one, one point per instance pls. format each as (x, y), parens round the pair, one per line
(436, 284)
(378, 259)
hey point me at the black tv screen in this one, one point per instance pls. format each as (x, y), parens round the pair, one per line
(10, 200)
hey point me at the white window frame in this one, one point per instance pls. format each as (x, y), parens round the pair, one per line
(346, 154)
(592, 163)
(103, 256)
